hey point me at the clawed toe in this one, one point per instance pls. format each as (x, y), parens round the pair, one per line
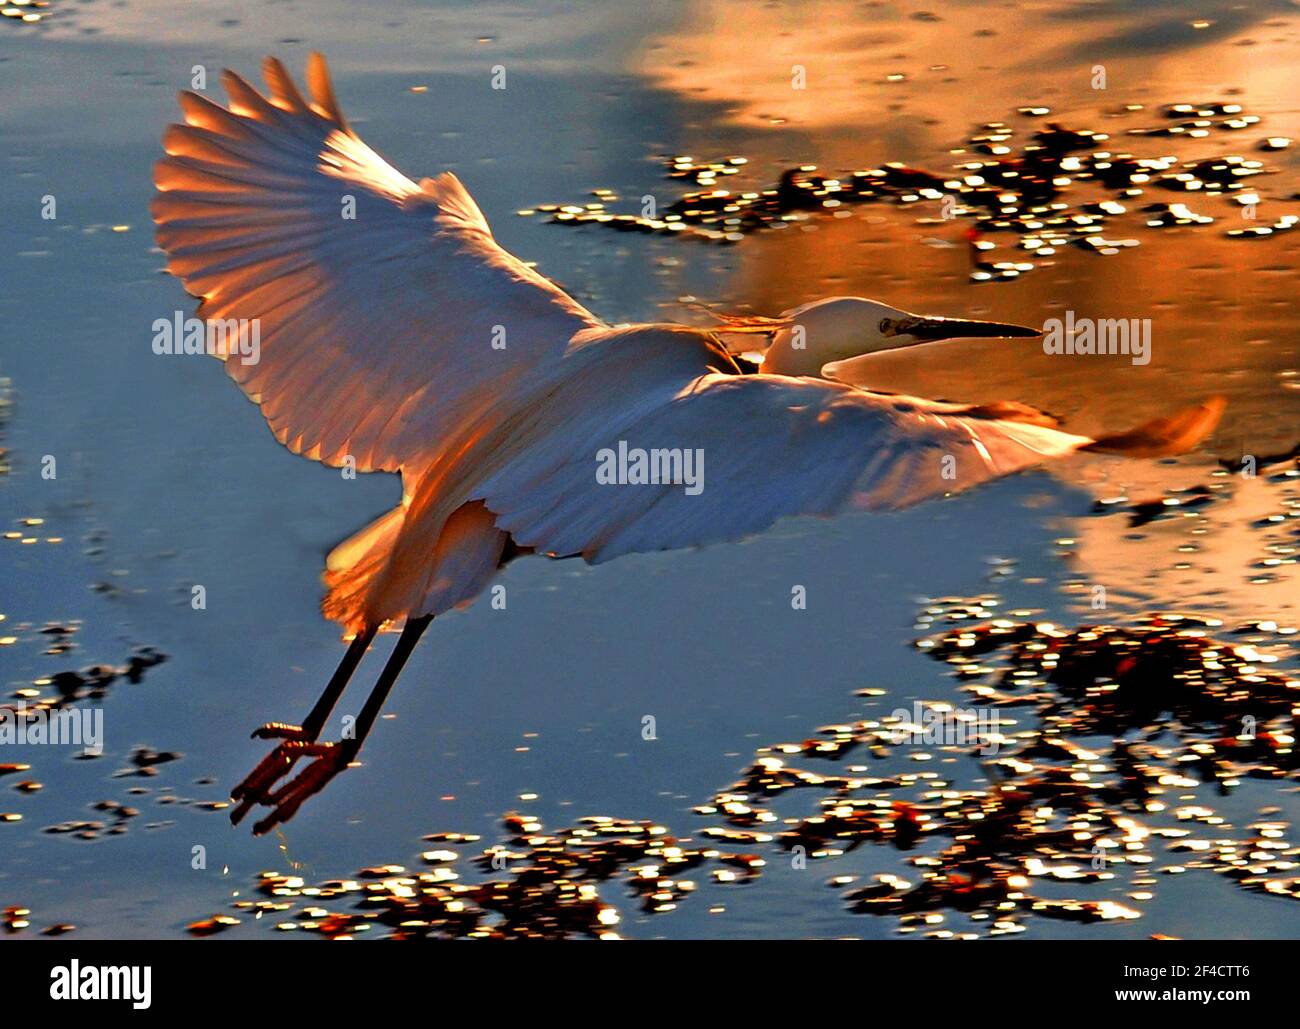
(330, 760)
(272, 768)
(259, 787)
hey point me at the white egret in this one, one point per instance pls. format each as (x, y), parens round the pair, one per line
(396, 335)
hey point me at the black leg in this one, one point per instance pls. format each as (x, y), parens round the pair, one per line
(332, 758)
(278, 763)
(410, 636)
(315, 721)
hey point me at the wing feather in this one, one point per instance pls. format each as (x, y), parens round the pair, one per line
(375, 331)
(772, 447)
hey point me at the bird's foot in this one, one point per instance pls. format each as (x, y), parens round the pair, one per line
(275, 766)
(329, 760)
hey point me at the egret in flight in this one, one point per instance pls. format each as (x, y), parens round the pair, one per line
(397, 336)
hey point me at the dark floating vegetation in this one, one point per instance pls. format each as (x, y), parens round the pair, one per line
(1104, 734)
(15, 919)
(1113, 743)
(31, 709)
(547, 886)
(1175, 503)
(999, 187)
(92, 829)
(90, 683)
(1279, 529)
(24, 12)
(1062, 803)
(6, 406)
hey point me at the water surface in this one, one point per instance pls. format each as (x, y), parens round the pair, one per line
(167, 476)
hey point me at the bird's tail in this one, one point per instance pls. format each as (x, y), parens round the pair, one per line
(412, 562)
(353, 566)
(1163, 437)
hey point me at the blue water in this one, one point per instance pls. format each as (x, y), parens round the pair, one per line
(174, 475)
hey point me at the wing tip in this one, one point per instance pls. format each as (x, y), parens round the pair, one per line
(284, 91)
(1167, 436)
(322, 89)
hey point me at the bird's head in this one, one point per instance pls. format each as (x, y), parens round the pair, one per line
(836, 329)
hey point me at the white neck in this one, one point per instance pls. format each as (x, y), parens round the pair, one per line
(782, 358)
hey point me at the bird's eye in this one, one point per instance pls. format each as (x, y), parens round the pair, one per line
(886, 326)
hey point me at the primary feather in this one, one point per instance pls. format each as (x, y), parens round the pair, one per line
(378, 298)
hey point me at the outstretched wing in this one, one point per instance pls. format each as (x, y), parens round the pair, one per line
(386, 311)
(762, 447)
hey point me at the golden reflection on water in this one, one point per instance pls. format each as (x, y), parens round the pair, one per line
(1223, 312)
(888, 83)
(1106, 751)
(881, 75)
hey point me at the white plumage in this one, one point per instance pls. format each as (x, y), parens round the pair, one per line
(397, 335)
(384, 306)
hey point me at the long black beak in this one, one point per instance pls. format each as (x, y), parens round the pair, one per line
(929, 329)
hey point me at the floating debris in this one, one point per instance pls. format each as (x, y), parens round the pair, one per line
(24, 12)
(1164, 215)
(94, 829)
(1001, 187)
(1058, 807)
(91, 683)
(211, 926)
(1284, 224)
(145, 761)
(551, 889)
(6, 405)
(61, 636)
(1177, 503)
